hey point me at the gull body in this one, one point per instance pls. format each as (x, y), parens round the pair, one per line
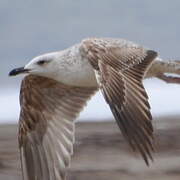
(71, 66)
(59, 84)
(68, 67)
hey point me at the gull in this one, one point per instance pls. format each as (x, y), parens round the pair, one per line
(58, 85)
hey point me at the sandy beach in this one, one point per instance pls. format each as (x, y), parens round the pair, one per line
(100, 153)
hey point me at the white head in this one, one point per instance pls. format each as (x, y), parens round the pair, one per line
(43, 65)
(63, 66)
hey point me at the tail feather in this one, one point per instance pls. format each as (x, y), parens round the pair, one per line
(168, 71)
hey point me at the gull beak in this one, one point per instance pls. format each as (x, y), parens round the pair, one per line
(17, 71)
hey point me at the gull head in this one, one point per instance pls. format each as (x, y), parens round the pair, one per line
(44, 65)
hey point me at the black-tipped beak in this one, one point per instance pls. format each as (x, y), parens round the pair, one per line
(17, 71)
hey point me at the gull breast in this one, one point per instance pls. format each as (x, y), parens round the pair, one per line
(74, 69)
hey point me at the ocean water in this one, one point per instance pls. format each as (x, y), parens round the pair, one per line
(164, 100)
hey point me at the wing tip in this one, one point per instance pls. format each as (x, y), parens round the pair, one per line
(151, 54)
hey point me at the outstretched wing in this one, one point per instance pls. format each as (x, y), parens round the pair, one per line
(120, 68)
(46, 129)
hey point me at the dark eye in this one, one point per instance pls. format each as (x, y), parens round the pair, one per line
(41, 62)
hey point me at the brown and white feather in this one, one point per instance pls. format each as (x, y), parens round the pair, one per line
(46, 129)
(120, 68)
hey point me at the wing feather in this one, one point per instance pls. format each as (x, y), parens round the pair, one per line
(46, 128)
(120, 67)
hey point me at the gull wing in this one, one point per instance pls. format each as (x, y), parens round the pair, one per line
(120, 68)
(46, 126)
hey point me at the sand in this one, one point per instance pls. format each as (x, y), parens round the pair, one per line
(100, 153)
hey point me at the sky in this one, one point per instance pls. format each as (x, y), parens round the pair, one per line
(30, 28)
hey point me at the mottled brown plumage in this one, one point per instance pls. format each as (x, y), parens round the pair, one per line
(46, 128)
(120, 71)
(58, 87)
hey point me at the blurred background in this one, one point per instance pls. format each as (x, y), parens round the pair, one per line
(30, 28)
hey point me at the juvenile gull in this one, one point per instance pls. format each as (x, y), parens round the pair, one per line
(57, 88)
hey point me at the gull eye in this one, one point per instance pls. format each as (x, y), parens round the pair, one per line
(41, 62)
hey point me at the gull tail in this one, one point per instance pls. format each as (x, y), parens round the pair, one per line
(168, 71)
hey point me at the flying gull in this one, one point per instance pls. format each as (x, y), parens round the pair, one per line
(59, 84)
